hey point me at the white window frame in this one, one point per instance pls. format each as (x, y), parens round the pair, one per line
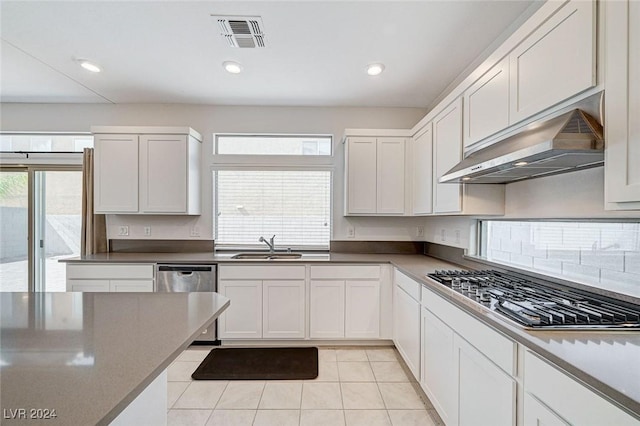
(221, 162)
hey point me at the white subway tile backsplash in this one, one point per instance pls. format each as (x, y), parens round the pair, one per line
(500, 256)
(585, 273)
(621, 282)
(569, 256)
(521, 233)
(632, 262)
(511, 246)
(603, 254)
(534, 250)
(520, 259)
(613, 260)
(581, 238)
(548, 265)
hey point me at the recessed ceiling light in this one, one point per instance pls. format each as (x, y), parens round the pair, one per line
(375, 69)
(89, 66)
(232, 67)
(466, 178)
(520, 163)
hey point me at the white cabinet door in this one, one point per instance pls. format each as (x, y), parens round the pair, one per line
(622, 104)
(486, 104)
(538, 414)
(447, 152)
(243, 317)
(163, 173)
(361, 175)
(390, 175)
(283, 309)
(362, 309)
(327, 309)
(422, 171)
(437, 370)
(406, 325)
(555, 62)
(88, 285)
(486, 394)
(131, 285)
(116, 174)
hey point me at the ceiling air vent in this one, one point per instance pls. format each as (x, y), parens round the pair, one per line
(242, 31)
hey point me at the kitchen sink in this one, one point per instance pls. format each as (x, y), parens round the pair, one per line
(267, 256)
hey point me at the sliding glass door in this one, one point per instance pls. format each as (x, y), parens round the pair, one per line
(14, 230)
(39, 227)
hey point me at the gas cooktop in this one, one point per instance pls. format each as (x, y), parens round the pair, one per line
(538, 306)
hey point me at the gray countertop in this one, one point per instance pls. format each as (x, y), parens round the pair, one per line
(88, 355)
(607, 361)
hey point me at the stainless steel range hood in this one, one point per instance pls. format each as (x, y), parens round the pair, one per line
(562, 144)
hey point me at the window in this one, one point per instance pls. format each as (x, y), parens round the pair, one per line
(273, 144)
(273, 185)
(23, 142)
(601, 254)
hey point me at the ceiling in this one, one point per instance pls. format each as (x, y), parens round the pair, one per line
(316, 54)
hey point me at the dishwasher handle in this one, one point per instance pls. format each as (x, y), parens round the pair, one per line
(184, 270)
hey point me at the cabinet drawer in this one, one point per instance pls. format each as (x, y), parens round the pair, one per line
(260, 272)
(498, 348)
(407, 284)
(571, 400)
(109, 270)
(346, 272)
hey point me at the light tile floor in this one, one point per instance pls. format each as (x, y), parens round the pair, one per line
(355, 386)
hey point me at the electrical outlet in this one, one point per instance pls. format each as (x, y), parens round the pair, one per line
(457, 236)
(419, 231)
(147, 231)
(123, 230)
(195, 231)
(351, 232)
(442, 235)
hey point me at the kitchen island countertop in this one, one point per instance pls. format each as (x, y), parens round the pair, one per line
(89, 355)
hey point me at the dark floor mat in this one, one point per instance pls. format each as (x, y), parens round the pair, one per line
(259, 364)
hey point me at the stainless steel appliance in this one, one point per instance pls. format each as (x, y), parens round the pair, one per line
(570, 142)
(189, 278)
(538, 306)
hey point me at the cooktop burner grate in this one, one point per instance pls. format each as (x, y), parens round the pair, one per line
(536, 305)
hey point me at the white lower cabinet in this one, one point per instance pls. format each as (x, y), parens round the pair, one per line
(110, 277)
(266, 302)
(283, 313)
(468, 368)
(537, 414)
(406, 325)
(327, 309)
(243, 317)
(486, 394)
(438, 369)
(553, 396)
(362, 309)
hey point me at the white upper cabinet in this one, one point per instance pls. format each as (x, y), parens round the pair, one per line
(622, 104)
(140, 170)
(422, 171)
(486, 104)
(447, 152)
(361, 174)
(556, 62)
(116, 173)
(375, 176)
(390, 175)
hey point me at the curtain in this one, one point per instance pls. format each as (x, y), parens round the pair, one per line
(94, 228)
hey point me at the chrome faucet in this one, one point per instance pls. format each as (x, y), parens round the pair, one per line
(269, 243)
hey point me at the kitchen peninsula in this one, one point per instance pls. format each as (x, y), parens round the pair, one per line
(95, 358)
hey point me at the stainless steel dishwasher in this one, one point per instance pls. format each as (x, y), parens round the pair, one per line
(189, 278)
